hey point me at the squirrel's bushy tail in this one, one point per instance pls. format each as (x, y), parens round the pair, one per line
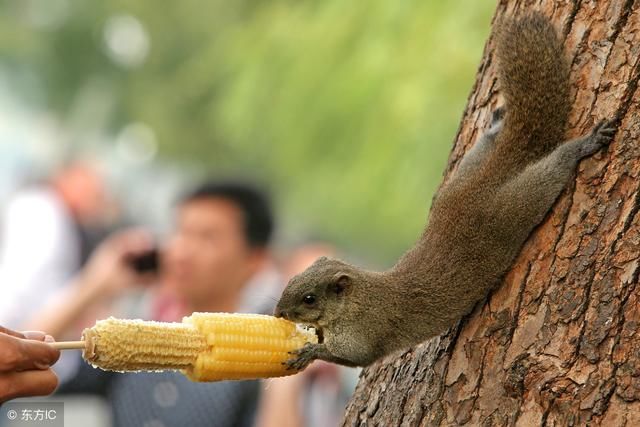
(534, 79)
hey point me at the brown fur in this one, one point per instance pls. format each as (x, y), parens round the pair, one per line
(479, 221)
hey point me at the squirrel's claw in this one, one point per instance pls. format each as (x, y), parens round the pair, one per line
(303, 357)
(604, 131)
(601, 135)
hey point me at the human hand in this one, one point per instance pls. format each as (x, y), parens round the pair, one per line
(25, 361)
(108, 272)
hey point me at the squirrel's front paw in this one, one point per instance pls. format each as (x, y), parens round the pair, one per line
(302, 358)
(604, 131)
(600, 137)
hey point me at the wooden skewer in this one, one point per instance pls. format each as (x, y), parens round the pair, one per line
(69, 345)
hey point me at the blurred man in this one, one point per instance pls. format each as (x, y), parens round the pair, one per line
(42, 245)
(219, 245)
(217, 260)
(25, 364)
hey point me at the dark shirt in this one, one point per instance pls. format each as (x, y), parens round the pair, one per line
(167, 399)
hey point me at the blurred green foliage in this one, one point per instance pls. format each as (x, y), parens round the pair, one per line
(347, 109)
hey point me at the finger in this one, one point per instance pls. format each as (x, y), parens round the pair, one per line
(135, 248)
(42, 354)
(136, 239)
(38, 336)
(34, 335)
(27, 383)
(22, 355)
(10, 332)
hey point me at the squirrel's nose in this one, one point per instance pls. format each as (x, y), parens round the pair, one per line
(281, 313)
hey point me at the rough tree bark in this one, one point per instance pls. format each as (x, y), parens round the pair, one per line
(559, 342)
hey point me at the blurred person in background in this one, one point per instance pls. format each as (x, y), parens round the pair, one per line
(107, 276)
(317, 396)
(218, 256)
(44, 240)
(217, 260)
(41, 245)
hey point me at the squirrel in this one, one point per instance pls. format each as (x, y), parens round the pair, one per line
(480, 218)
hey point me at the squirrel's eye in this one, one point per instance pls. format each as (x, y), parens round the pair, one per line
(309, 299)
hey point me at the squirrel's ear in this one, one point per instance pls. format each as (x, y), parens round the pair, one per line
(341, 283)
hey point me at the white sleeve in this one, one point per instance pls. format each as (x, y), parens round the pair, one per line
(38, 255)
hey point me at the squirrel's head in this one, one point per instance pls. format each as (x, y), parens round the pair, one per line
(317, 293)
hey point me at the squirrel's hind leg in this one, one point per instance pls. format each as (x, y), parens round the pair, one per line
(524, 200)
(478, 154)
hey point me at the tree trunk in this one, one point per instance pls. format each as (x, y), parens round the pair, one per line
(559, 342)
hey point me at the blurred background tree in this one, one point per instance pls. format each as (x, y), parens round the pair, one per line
(347, 110)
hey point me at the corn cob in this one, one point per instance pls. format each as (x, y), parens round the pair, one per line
(125, 345)
(205, 346)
